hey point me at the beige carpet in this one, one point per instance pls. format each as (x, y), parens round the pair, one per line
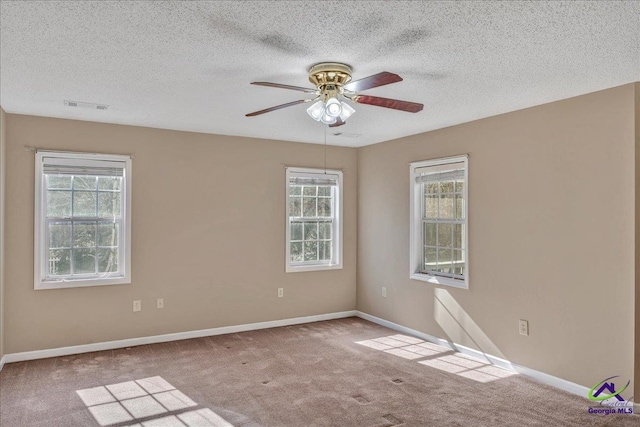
(346, 372)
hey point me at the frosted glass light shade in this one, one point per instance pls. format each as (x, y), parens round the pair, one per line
(328, 120)
(330, 112)
(316, 111)
(347, 111)
(333, 108)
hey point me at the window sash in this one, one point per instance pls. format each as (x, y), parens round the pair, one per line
(427, 249)
(52, 164)
(315, 219)
(295, 248)
(72, 275)
(444, 174)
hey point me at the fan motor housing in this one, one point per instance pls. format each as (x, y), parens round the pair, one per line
(329, 73)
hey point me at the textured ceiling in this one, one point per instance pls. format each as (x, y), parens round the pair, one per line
(187, 65)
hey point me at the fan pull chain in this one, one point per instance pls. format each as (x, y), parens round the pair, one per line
(325, 149)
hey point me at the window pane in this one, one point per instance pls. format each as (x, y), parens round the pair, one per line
(84, 182)
(109, 204)
(458, 258)
(296, 251)
(60, 235)
(431, 187)
(54, 181)
(444, 260)
(58, 203)
(325, 229)
(444, 235)
(446, 206)
(107, 234)
(459, 206)
(296, 231)
(84, 235)
(430, 259)
(324, 251)
(84, 261)
(295, 206)
(324, 191)
(109, 183)
(310, 191)
(446, 186)
(458, 236)
(429, 236)
(309, 206)
(459, 186)
(295, 190)
(84, 203)
(107, 260)
(59, 262)
(310, 230)
(311, 251)
(431, 207)
(324, 207)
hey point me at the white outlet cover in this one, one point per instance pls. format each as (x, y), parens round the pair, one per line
(524, 327)
(137, 305)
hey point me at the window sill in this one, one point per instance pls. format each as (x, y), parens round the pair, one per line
(317, 267)
(437, 280)
(82, 283)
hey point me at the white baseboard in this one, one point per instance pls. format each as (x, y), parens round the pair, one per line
(560, 383)
(131, 342)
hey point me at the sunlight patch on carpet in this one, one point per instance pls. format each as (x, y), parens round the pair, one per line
(438, 357)
(404, 346)
(148, 402)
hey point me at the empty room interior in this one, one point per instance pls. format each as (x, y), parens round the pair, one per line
(340, 213)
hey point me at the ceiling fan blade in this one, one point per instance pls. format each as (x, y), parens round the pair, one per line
(339, 122)
(281, 86)
(411, 107)
(277, 107)
(376, 80)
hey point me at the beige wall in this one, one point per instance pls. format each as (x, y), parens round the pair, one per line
(551, 209)
(552, 202)
(3, 127)
(208, 236)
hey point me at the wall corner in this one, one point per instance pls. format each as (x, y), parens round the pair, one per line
(636, 358)
(3, 133)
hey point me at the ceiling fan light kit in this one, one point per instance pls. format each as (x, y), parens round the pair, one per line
(333, 83)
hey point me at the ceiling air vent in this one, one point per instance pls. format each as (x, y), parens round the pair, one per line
(347, 134)
(89, 105)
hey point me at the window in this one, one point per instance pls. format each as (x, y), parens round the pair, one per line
(439, 242)
(82, 220)
(314, 220)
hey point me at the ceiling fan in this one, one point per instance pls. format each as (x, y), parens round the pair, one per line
(332, 82)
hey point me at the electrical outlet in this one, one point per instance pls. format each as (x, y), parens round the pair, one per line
(137, 305)
(280, 292)
(160, 303)
(524, 327)
(384, 292)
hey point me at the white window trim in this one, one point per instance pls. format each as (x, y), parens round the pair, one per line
(416, 221)
(39, 214)
(289, 268)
